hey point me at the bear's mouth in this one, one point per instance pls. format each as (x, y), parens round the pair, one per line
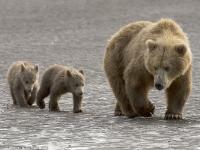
(27, 94)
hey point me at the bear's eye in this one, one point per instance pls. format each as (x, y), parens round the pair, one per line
(166, 68)
(156, 68)
(26, 82)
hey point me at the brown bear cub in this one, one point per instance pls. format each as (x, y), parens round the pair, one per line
(22, 80)
(58, 80)
(143, 55)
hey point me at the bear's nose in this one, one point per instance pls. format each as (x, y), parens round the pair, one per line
(81, 93)
(29, 91)
(159, 86)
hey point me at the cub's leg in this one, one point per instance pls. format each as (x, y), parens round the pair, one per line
(53, 102)
(20, 97)
(177, 94)
(42, 93)
(31, 100)
(13, 96)
(77, 103)
(54, 97)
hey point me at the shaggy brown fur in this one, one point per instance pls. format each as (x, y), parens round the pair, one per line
(146, 54)
(58, 80)
(22, 80)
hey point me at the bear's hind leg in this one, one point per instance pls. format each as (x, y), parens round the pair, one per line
(177, 94)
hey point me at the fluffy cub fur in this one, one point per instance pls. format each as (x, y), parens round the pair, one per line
(58, 80)
(22, 79)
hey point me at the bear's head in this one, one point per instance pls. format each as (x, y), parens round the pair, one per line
(167, 59)
(76, 81)
(28, 77)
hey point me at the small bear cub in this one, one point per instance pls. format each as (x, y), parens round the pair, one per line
(22, 79)
(58, 80)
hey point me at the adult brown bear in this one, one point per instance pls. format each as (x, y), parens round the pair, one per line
(145, 54)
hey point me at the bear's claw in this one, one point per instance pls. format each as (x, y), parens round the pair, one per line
(147, 111)
(169, 116)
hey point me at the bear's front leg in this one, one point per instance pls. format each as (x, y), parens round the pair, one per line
(20, 97)
(32, 98)
(77, 101)
(118, 111)
(137, 94)
(177, 94)
(53, 102)
(13, 96)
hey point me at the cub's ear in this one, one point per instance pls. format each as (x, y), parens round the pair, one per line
(151, 45)
(181, 49)
(23, 68)
(81, 71)
(68, 73)
(36, 68)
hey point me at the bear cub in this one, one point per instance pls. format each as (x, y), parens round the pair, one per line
(22, 79)
(58, 80)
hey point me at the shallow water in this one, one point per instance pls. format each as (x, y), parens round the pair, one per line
(75, 33)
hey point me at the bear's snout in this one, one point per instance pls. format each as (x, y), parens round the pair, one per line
(159, 86)
(81, 93)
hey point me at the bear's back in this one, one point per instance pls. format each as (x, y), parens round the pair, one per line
(52, 72)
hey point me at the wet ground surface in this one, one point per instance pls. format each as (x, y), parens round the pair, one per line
(75, 33)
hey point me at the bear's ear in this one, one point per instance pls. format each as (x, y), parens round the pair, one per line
(81, 71)
(151, 45)
(36, 68)
(23, 68)
(68, 73)
(180, 49)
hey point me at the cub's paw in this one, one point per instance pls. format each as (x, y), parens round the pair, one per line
(41, 104)
(172, 116)
(30, 103)
(78, 111)
(54, 108)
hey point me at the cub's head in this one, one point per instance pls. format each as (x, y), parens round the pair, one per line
(166, 61)
(76, 81)
(28, 77)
